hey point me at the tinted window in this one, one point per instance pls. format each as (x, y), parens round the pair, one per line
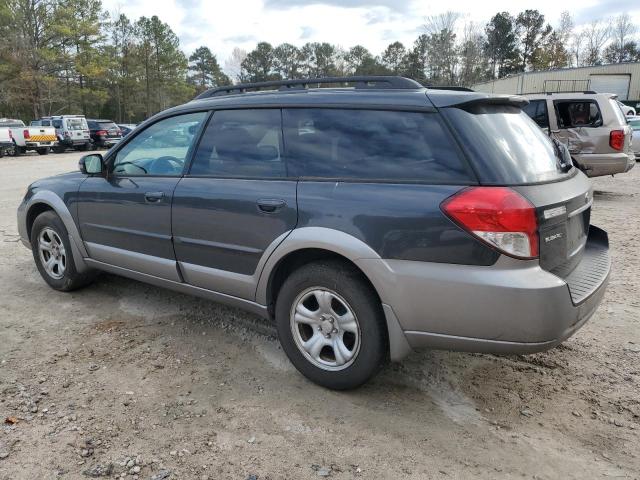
(106, 125)
(578, 113)
(241, 143)
(56, 123)
(161, 148)
(505, 145)
(537, 110)
(367, 144)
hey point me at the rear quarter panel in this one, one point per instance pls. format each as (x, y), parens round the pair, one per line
(398, 221)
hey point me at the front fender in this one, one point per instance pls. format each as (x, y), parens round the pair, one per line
(55, 203)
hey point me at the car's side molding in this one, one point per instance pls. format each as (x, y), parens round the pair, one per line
(347, 246)
(49, 198)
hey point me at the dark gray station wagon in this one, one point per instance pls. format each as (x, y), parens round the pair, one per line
(367, 221)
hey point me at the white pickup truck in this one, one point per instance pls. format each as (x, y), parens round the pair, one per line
(6, 144)
(24, 138)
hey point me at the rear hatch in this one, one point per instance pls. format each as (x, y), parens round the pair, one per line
(506, 148)
(111, 129)
(78, 130)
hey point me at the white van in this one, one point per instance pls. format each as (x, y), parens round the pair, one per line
(72, 131)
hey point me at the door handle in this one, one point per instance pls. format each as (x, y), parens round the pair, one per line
(270, 205)
(154, 197)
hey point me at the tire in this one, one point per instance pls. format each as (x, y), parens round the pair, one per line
(65, 278)
(17, 151)
(85, 147)
(43, 151)
(59, 149)
(364, 346)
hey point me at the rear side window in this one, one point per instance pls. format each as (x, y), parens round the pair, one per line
(505, 145)
(578, 113)
(537, 110)
(371, 145)
(241, 143)
(56, 123)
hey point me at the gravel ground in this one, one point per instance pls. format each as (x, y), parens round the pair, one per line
(126, 380)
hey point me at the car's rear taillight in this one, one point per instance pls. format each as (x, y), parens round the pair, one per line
(498, 216)
(26, 134)
(616, 140)
(10, 135)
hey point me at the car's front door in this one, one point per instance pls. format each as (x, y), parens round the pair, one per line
(125, 216)
(236, 203)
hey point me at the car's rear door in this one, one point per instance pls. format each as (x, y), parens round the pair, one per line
(236, 204)
(125, 216)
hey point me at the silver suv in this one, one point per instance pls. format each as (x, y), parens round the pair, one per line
(590, 124)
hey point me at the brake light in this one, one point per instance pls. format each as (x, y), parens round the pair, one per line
(101, 132)
(10, 134)
(616, 139)
(26, 133)
(498, 216)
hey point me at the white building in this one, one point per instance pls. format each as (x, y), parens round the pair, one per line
(621, 78)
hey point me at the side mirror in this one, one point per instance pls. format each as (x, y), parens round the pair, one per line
(92, 164)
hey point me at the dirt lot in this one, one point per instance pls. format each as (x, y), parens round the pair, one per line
(126, 380)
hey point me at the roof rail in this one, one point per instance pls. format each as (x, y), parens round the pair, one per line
(450, 87)
(361, 82)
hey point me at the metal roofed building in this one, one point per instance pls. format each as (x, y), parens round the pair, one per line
(622, 79)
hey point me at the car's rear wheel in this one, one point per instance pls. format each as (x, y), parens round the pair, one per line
(52, 253)
(331, 325)
(43, 151)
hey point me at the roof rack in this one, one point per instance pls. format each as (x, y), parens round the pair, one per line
(450, 87)
(361, 82)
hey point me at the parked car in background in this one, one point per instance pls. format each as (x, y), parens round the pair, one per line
(626, 109)
(353, 217)
(634, 123)
(6, 142)
(104, 133)
(72, 131)
(38, 138)
(126, 128)
(592, 127)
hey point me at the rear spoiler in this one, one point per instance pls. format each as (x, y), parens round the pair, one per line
(469, 99)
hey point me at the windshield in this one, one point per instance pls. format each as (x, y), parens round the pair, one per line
(507, 147)
(76, 124)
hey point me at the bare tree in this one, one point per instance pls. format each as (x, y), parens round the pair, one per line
(622, 32)
(233, 64)
(597, 33)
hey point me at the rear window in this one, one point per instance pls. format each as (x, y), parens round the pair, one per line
(76, 124)
(107, 125)
(505, 145)
(617, 111)
(371, 145)
(11, 124)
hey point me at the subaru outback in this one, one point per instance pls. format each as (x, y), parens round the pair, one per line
(367, 218)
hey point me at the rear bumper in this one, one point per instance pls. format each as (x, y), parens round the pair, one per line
(596, 165)
(511, 307)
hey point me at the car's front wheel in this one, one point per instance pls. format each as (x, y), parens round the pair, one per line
(52, 253)
(331, 325)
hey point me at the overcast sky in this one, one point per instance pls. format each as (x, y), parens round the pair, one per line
(224, 24)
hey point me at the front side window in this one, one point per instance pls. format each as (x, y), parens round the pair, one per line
(371, 145)
(161, 148)
(578, 113)
(241, 143)
(537, 110)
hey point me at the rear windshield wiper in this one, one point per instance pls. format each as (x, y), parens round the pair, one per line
(562, 153)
